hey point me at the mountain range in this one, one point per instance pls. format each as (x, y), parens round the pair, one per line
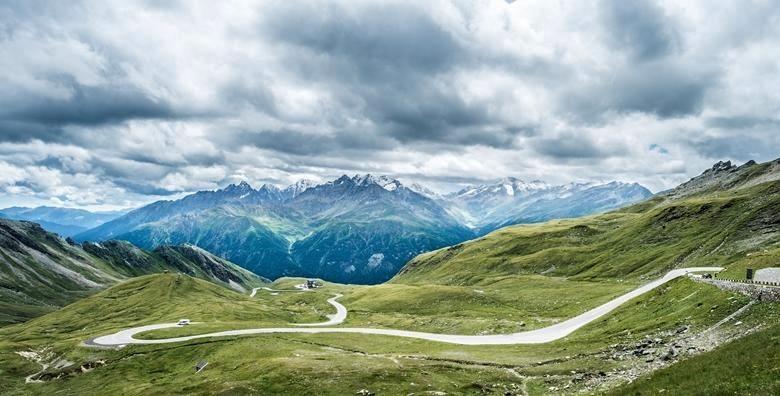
(727, 216)
(358, 229)
(63, 221)
(509, 201)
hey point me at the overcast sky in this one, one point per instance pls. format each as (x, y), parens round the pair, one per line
(112, 104)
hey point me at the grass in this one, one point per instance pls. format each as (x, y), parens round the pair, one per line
(748, 366)
(635, 243)
(40, 272)
(517, 278)
(332, 363)
(509, 304)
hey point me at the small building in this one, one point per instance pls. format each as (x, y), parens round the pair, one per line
(200, 366)
(312, 284)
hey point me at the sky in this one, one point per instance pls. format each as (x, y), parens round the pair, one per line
(113, 104)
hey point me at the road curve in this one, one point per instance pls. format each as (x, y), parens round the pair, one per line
(538, 336)
(254, 291)
(334, 319)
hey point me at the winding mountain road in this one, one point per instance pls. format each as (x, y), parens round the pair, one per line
(254, 291)
(538, 336)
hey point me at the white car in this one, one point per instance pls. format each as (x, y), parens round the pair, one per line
(183, 322)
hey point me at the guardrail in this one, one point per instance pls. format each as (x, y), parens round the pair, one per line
(758, 290)
(746, 281)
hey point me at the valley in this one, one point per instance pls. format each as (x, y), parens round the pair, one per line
(589, 296)
(389, 198)
(359, 229)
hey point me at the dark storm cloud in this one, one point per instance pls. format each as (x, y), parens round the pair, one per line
(639, 27)
(88, 106)
(380, 40)
(574, 146)
(23, 131)
(51, 94)
(291, 141)
(654, 79)
(155, 98)
(389, 64)
(244, 92)
(664, 89)
(143, 188)
(742, 122)
(742, 147)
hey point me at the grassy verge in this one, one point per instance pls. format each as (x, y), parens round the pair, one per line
(330, 363)
(748, 366)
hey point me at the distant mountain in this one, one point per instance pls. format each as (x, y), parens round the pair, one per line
(298, 188)
(40, 271)
(729, 216)
(63, 221)
(512, 201)
(358, 229)
(364, 228)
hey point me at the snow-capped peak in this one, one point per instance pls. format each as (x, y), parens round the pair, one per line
(424, 191)
(269, 187)
(299, 187)
(241, 188)
(508, 186)
(385, 182)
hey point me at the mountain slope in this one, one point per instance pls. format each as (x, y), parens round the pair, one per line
(748, 366)
(229, 232)
(39, 271)
(358, 229)
(732, 227)
(512, 201)
(365, 229)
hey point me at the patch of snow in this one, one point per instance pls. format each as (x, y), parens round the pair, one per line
(375, 260)
(424, 191)
(299, 187)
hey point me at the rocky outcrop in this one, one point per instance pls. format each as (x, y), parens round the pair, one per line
(724, 175)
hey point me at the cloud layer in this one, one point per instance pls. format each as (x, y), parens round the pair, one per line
(113, 104)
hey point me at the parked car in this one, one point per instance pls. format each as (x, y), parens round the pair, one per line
(183, 322)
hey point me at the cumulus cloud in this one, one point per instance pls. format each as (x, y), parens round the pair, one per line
(114, 104)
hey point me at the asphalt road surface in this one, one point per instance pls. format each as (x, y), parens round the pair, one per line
(538, 336)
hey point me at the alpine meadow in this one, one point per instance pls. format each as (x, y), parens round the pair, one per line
(389, 197)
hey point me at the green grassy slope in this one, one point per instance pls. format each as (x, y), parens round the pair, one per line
(514, 279)
(507, 305)
(715, 229)
(40, 272)
(333, 364)
(748, 366)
